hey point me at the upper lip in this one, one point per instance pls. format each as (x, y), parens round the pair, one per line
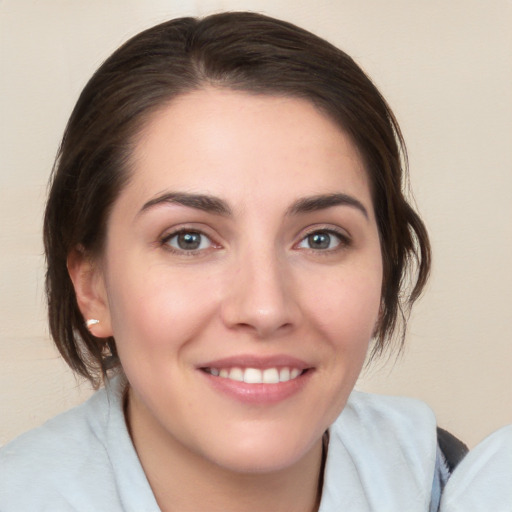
(253, 361)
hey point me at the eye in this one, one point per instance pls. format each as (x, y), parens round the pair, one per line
(188, 241)
(322, 240)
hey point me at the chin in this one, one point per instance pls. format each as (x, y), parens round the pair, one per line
(264, 454)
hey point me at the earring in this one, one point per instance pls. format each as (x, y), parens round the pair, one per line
(90, 322)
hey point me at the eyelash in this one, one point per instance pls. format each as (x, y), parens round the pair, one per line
(164, 242)
(343, 239)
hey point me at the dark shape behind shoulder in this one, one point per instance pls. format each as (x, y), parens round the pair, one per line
(453, 449)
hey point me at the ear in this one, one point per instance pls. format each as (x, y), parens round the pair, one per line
(90, 291)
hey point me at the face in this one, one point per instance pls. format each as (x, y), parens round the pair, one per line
(241, 277)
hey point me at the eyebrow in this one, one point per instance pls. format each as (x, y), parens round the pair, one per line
(324, 201)
(218, 206)
(202, 202)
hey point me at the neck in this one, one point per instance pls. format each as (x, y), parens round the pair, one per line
(186, 481)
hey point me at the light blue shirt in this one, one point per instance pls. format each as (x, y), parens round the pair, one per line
(381, 457)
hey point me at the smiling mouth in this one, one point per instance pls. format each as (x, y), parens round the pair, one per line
(256, 375)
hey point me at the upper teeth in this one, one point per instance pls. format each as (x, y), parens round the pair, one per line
(255, 375)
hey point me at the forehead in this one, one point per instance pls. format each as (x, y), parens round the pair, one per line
(226, 143)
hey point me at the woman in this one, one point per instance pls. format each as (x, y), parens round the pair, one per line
(226, 232)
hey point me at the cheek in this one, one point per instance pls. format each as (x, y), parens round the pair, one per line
(347, 307)
(344, 315)
(155, 309)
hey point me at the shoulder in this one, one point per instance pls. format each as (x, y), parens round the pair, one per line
(59, 461)
(64, 434)
(400, 418)
(395, 423)
(482, 481)
(388, 408)
(382, 453)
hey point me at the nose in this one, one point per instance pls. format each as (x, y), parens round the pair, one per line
(261, 298)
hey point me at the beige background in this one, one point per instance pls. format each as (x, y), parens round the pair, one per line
(446, 68)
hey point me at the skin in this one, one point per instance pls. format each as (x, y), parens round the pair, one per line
(256, 286)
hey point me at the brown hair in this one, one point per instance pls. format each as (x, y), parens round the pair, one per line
(241, 51)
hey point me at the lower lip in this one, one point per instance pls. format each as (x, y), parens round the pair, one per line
(258, 393)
